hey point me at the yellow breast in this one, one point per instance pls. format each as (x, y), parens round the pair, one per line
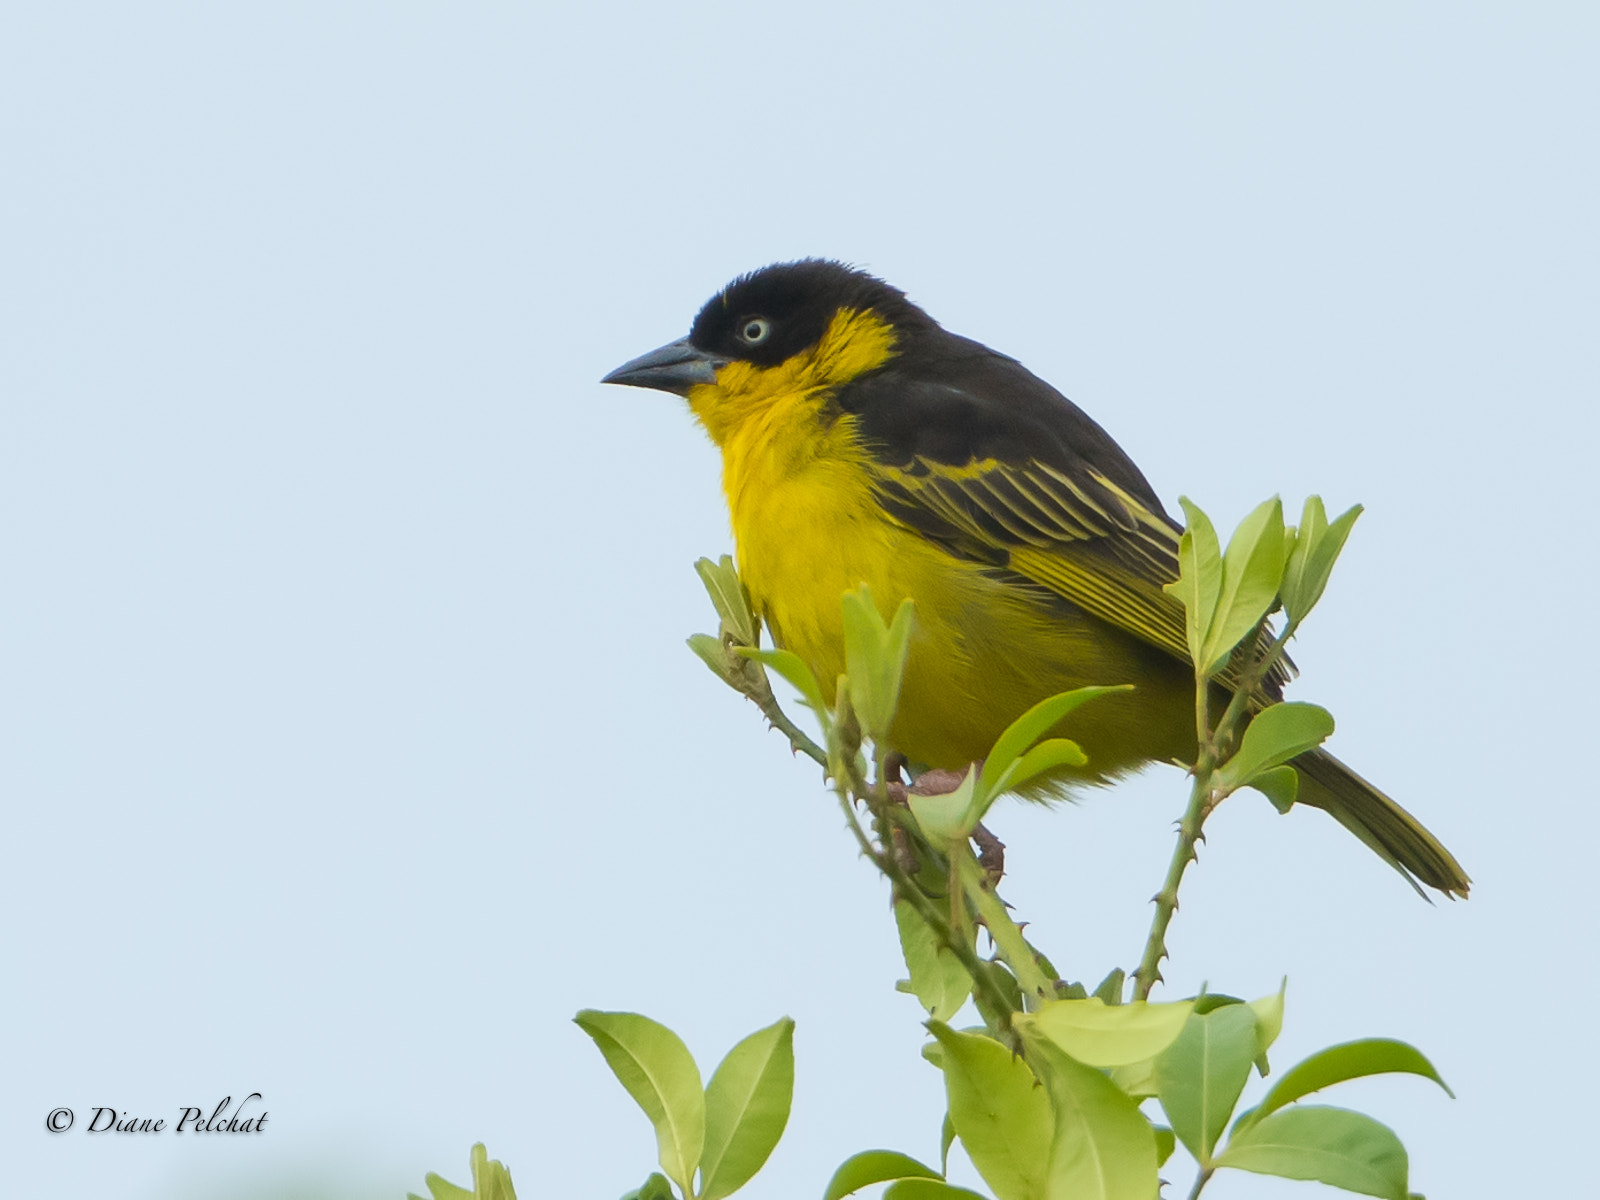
(805, 524)
(807, 529)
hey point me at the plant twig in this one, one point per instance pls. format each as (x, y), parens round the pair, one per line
(1250, 677)
(1007, 934)
(906, 888)
(972, 883)
(1166, 900)
(753, 684)
(1215, 743)
(798, 741)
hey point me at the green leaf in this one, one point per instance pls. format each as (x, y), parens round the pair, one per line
(791, 667)
(1002, 1117)
(1209, 1001)
(1269, 1023)
(899, 643)
(747, 1107)
(875, 659)
(1317, 547)
(938, 980)
(947, 1138)
(947, 817)
(658, 1071)
(1199, 1077)
(1275, 735)
(1103, 1147)
(1348, 1060)
(874, 1166)
(1106, 1035)
(1166, 1143)
(1332, 1145)
(1301, 539)
(1111, 987)
(1045, 757)
(1252, 570)
(1029, 728)
(490, 1181)
(710, 651)
(1280, 785)
(1199, 582)
(441, 1189)
(927, 1189)
(654, 1188)
(729, 598)
(1137, 1079)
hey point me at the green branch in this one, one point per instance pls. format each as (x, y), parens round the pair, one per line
(1166, 900)
(1214, 745)
(905, 888)
(779, 720)
(1007, 934)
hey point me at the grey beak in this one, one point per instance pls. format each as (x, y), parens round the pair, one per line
(675, 367)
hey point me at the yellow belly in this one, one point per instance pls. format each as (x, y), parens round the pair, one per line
(984, 649)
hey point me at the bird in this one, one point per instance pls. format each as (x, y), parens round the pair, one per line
(863, 443)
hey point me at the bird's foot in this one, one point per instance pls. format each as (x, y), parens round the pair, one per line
(941, 782)
(991, 854)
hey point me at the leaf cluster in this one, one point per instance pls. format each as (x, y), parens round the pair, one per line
(1065, 1120)
(1057, 1093)
(490, 1181)
(710, 1141)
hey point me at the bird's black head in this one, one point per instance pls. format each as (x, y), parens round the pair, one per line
(769, 316)
(772, 314)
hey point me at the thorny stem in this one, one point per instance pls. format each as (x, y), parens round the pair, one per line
(1214, 744)
(756, 688)
(1006, 933)
(1007, 936)
(763, 699)
(1200, 1181)
(969, 880)
(1255, 670)
(905, 888)
(1166, 900)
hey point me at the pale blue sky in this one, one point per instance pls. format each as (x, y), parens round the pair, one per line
(348, 742)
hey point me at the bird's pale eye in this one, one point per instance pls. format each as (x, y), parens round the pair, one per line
(754, 330)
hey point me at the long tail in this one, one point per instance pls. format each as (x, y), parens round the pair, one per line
(1397, 837)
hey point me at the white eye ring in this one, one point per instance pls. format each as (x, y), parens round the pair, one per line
(754, 330)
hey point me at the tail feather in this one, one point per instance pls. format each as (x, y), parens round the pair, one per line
(1394, 834)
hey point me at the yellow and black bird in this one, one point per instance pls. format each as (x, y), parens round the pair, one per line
(863, 443)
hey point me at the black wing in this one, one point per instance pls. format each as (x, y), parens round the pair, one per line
(985, 459)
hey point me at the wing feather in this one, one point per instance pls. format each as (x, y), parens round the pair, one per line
(1115, 574)
(988, 461)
